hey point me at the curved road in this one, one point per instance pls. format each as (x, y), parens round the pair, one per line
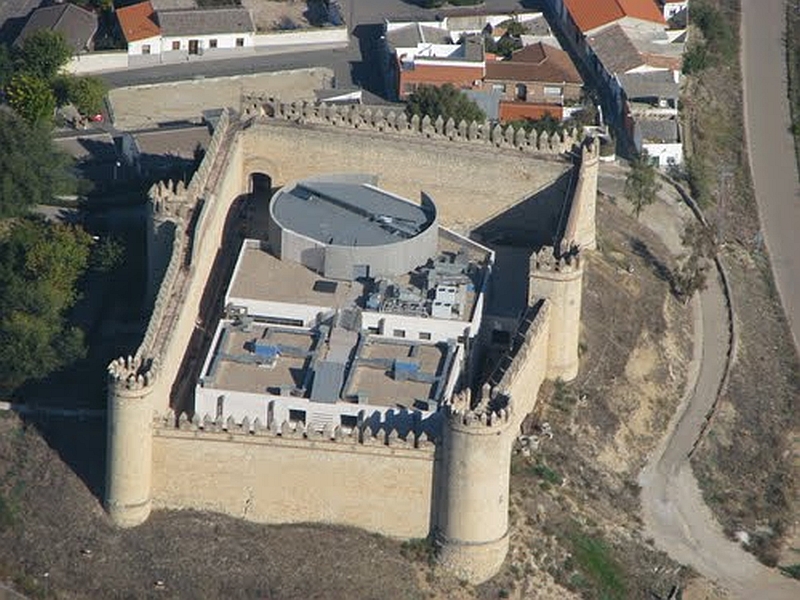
(673, 509)
(771, 148)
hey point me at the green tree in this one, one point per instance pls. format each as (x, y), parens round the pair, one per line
(87, 94)
(32, 169)
(107, 254)
(40, 266)
(692, 274)
(446, 101)
(6, 66)
(32, 98)
(641, 185)
(43, 54)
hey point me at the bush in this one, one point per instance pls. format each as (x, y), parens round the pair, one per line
(446, 101)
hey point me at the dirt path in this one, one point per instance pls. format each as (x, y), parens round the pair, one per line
(674, 512)
(675, 515)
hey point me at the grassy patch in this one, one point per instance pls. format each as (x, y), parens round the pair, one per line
(6, 513)
(792, 571)
(419, 549)
(596, 567)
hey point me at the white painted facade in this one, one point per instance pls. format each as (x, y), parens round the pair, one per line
(674, 8)
(165, 45)
(151, 45)
(667, 154)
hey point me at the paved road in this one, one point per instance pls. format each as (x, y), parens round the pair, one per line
(350, 65)
(771, 149)
(337, 59)
(673, 510)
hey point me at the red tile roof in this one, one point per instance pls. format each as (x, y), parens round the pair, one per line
(138, 21)
(591, 14)
(537, 62)
(513, 111)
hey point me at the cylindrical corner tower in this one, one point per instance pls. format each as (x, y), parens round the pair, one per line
(472, 516)
(585, 200)
(560, 280)
(129, 444)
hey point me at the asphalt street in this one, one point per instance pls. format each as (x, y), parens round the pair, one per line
(771, 147)
(351, 65)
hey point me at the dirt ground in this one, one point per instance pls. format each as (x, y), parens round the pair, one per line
(148, 105)
(278, 14)
(747, 466)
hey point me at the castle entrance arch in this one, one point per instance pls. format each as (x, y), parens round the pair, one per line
(260, 187)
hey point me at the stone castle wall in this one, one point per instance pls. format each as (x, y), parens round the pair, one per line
(520, 374)
(374, 480)
(468, 181)
(383, 483)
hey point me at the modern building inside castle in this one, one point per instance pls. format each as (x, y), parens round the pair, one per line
(358, 307)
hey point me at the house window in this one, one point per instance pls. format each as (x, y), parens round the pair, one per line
(146, 49)
(239, 42)
(550, 90)
(499, 87)
(399, 333)
(297, 416)
(424, 335)
(176, 45)
(348, 421)
(212, 43)
(522, 92)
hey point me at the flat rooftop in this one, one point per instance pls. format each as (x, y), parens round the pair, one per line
(261, 276)
(391, 373)
(348, 214)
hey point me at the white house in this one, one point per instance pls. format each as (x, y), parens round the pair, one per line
(179, 34)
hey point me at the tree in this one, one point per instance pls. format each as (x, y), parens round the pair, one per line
(40, 266)
(692, 274)
(87, 94)
(43, 54)
(641, 186)
(6, 66)
(32, 98)
(446, 101)
(32, 169)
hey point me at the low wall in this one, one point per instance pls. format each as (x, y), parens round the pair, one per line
(291, 479)
(328, 35)
(97, 62)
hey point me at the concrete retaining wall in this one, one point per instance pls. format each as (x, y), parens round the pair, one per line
(328, 35)
(96, 62)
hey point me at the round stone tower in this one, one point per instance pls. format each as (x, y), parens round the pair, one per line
(472, 516)
(560, 280)
(129, 443)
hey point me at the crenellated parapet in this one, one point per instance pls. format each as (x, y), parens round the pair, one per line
(372, 435)
(129, 440)
(131, 373)
(547, 261)
(559, 279)
(491, 413)
(581, 229)
(356, 116)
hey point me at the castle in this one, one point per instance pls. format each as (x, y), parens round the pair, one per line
(323, 357)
